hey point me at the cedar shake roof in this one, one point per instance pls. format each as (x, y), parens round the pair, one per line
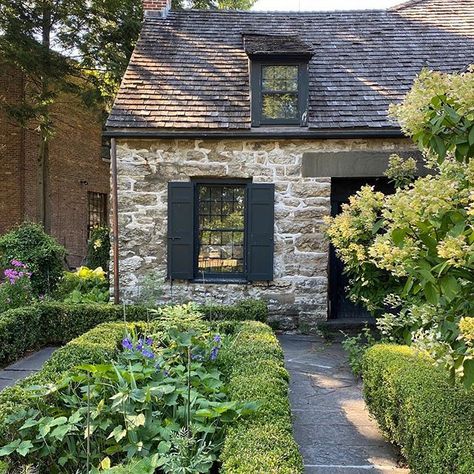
(190, 70)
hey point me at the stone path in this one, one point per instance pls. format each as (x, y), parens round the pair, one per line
(24, 367)
(330, 419)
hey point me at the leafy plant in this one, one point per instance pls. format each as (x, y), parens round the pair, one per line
(134, 407)
(355, 346)
(98, 248)
(16, 290)
(39, 251)
(84, 286)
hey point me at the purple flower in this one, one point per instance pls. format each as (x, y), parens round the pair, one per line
(140, 344)
(217, 338)
(149, 341)
(214, 352)
(197, 357)
(127, 344)
(12, 275)
(148, 354)
(17, 263)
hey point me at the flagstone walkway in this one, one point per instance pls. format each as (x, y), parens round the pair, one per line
(330, 419)
(24, 367)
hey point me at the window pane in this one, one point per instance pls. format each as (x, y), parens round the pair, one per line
(280, 78)
(221, 234)
(280, 106)
(97, 207)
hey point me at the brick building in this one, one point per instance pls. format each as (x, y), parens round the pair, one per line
(79, 177)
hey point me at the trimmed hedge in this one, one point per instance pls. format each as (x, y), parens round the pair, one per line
(53, 323)
(263, 443)
(253, 367)
(419, 410)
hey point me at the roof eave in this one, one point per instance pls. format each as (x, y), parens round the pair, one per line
(333, 133)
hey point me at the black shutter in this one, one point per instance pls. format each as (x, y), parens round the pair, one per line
(180, 231)
(260, 235)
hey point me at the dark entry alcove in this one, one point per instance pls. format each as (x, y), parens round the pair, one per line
(340, 307)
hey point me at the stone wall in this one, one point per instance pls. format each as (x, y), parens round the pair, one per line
(298, 295)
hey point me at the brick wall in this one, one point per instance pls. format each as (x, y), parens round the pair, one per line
(11, 159)
(75, 168)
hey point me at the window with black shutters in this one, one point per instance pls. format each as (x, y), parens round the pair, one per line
(97, 211)
(220, 231)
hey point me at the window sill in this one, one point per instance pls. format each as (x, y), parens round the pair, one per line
(216, 280)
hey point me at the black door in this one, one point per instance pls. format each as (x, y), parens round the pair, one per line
(340, 307)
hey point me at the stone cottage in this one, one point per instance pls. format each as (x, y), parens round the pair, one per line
(234, 134)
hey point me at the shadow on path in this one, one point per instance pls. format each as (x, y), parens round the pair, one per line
(330, 420)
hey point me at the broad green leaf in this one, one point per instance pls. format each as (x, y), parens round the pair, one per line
(24, 448)
(449, 286)
(468, 378)
(9, 448)
(398, 236)
(471, 136)
(430, 293)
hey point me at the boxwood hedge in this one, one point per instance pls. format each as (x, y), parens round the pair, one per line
(253, 367)
(262, 444)
(53, 323)
(420, 411)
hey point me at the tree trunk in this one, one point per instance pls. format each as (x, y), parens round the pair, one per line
(44, 198)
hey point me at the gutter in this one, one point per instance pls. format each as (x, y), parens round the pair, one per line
(325, 134)
(115, 226)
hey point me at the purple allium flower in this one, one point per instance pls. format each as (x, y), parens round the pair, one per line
(149, 341)
(148, 354)
(214, 352)
(127, 344)
(217, 338)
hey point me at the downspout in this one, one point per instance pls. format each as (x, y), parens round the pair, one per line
(115, 226)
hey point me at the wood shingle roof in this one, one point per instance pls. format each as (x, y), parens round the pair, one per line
(190, 70)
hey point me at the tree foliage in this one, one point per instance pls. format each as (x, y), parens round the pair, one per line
(411, 254)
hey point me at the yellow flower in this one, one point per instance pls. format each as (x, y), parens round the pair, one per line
(454, 250)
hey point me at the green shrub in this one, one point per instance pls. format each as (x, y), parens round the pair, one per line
(43, 255)
(56, 323)
(420, 411)
(98, 248)
(263, 443)
(246, 310)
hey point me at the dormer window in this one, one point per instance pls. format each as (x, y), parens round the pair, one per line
(279, 93)
(279, 79)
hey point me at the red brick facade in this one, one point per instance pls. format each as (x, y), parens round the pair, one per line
(76, 167)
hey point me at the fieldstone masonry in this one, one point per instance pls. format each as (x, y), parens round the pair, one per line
(298, 295)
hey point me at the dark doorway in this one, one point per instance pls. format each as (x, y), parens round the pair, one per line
(340, 307)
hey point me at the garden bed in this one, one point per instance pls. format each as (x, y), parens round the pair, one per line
(252, 369)
(419, 410)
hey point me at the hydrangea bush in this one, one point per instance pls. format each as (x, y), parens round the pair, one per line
(410, 255)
